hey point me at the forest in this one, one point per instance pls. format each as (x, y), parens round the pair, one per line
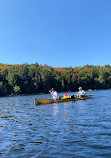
(35, 78)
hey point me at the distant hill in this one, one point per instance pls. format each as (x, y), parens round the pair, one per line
(35, 78)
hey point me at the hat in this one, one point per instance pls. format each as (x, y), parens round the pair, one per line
(80, 88)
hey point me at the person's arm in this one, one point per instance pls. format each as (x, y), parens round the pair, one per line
(50, 92)
(77, 94)
(84, 92)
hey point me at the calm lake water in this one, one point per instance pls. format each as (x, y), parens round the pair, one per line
(78, 129)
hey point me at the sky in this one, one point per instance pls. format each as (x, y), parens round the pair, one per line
(59, 33)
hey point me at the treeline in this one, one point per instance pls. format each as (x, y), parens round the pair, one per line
(35, 78)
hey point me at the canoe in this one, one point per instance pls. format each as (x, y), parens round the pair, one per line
(51, 101)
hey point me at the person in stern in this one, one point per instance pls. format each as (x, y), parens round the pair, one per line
(54, 94)
(81, 93)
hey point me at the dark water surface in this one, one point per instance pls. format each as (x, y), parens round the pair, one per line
(69, 130)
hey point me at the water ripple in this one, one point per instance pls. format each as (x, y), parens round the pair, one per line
(79, 129)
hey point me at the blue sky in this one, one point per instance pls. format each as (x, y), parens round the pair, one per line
(59, 33)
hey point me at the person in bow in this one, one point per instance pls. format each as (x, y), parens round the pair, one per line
(54, 94)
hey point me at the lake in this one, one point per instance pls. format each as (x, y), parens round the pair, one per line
(78, 129)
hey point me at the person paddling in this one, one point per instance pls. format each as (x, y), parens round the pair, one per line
(81, 93)
(54, 94)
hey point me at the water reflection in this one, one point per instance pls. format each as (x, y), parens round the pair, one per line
(70, 129)
(55, 109)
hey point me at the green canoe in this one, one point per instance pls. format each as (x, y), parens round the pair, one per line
(51, 101)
